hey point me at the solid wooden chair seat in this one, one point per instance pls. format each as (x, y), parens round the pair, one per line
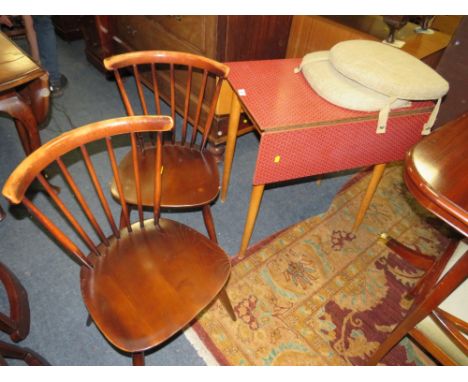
(152, 282)
(185, 169)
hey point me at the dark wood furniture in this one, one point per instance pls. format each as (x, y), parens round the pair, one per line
(222, 38)
(143, 283)
(312, 33)
(453, 66)
(190, 173)
(24, 94)
(435, 173)
(17, 322)
(68, 27)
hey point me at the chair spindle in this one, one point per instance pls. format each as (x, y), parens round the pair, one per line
(173, 106)
(201, 95)
(157, 98)
(140, 89)
(136, 172)
(209, 119)
(57, 233)
(157, 178)
(115, 171)
(187, 105)
(81, 200)
(98, 188)
(69, 216)
(123, 92)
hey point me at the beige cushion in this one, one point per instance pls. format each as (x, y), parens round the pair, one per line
(455, 304)
(387, 70)
(340, 90)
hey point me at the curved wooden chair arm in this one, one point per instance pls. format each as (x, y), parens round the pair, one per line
(16, 324)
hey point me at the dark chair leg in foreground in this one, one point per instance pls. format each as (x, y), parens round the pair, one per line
(16, 352)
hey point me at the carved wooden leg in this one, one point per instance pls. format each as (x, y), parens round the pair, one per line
(452, 279)
(209, 223)
(224, 298)
(432, 266)
(433, 274)
(415, 258)
(17, 324)
(230, 144)
(255, 199)
(13, 351)
(138, 359)
(374, 182)
(21, 112)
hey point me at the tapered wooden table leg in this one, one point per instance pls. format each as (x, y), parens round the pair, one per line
(377, 173)
(255, 199)
(230, 144)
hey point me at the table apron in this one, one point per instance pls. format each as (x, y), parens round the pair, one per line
(286, 155)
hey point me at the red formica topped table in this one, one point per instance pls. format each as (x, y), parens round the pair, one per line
(301, 134)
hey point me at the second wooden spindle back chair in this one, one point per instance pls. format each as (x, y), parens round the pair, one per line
(190, 172)
(141, 283)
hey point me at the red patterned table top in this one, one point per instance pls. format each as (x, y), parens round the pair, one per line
(276, 98)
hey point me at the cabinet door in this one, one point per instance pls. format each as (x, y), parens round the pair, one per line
(255, 38)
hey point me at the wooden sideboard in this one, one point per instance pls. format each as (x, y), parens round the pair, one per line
(223, 38)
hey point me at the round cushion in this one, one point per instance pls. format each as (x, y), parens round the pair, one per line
(387, 70)
(331, 85)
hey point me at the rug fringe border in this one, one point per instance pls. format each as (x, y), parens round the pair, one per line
(200, 347)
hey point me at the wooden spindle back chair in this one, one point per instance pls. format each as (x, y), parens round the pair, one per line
(141, 283)
(192, 85)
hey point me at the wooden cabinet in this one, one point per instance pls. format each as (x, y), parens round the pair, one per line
(223, 38)
(67, 27)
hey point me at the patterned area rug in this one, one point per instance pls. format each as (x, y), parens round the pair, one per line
(319, 294)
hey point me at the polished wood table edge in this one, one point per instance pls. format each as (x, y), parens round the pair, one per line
(431, 206)
(435, 202)
(24, 79)
(34, 72)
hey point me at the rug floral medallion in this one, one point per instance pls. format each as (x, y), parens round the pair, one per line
(320, 294)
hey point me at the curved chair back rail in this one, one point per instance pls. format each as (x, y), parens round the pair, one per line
(31, 166)
(190, 84)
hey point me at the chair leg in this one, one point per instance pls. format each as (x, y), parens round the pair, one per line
(224, 298)
(433, 274)
(89, 321)
(138, 359)
(432, 267)
(450, 281)
(2, 214)
(209, 222)
(415, 258)
(13, 351)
